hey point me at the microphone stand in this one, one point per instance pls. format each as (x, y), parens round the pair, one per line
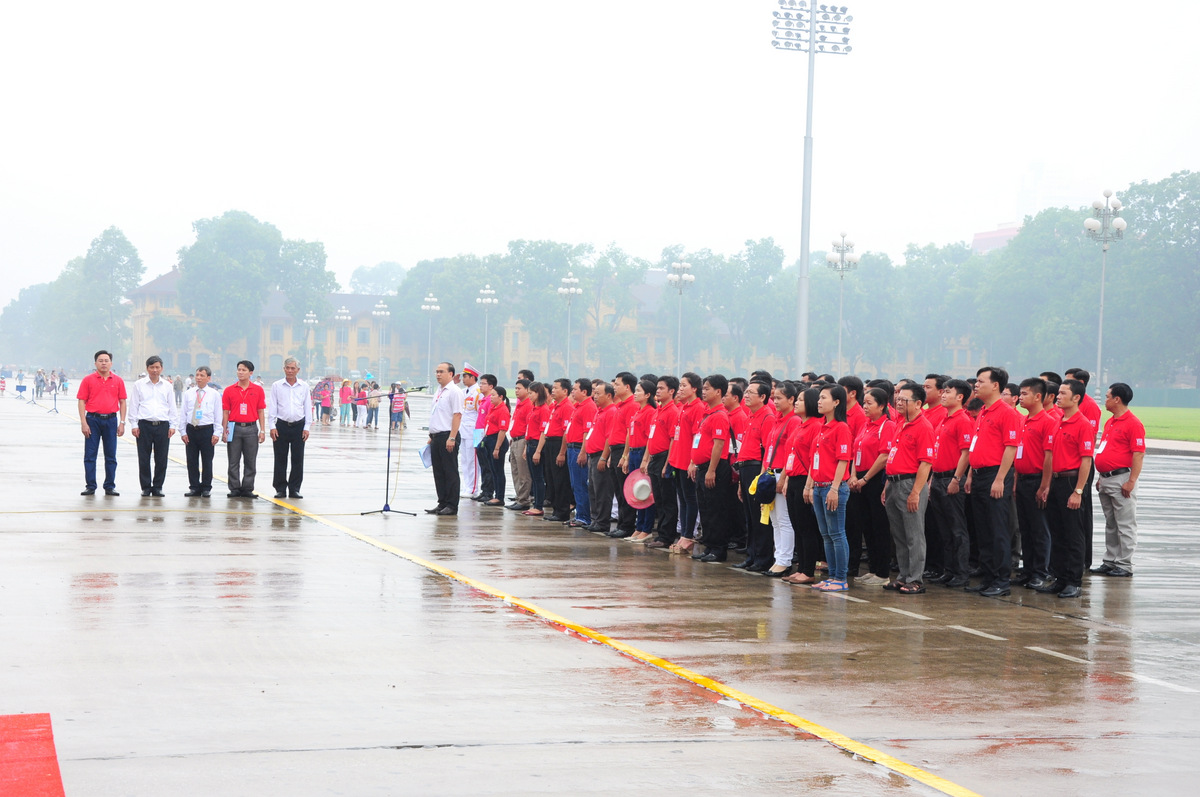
(387, 479)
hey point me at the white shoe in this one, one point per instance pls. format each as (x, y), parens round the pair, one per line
(870, 580)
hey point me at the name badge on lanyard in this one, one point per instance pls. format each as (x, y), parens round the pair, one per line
(244, 408)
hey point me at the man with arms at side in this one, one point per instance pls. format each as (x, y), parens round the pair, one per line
(152, 416)
(445, 419)
(244, 404)
(101, 397)
(1071, 462)
(198, 417)
(289, 417)
(1118, 465)
(947, 501)
(906, 494)
(1033, 479)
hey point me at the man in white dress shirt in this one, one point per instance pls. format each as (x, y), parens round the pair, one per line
(152, 416)
(289, 417)
(199, 414)
(445, 419)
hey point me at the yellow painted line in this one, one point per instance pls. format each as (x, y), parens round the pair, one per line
(827, 734)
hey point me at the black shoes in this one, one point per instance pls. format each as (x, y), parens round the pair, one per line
(742, 565)
(281, 495)
(995, 591)
(206, 494)
(977, 588)
(447, 511)
(89, 491)
(1070, 592)
(192, 494)
(1115, 571)
(557, 518)
(1034, 582)
(1051, 587)
(434, 511)
(954, 582)
(157, 493)
(294, 495)
(619, 534)
(113, 493)
(145, 493)
(714, 556)
(1101, 570)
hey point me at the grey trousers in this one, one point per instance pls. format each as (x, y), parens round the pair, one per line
(908, 528)
(518, 466)
(1120, 521)
(243, 446)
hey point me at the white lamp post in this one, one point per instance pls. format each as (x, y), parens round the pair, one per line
(841, 260)
(570, 289)
(343, 316)
(381, 313)
(310, 325)
(1106, 225)
(429, 305)
(487, 298)
(681, 275)
(808, 28)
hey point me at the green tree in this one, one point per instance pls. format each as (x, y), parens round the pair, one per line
(110, 270)
(170, 333)
(380, 279)
(305, 280)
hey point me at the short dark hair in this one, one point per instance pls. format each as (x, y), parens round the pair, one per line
(788, 389)
(827, 378)
(881, 397)
(1121, 392)
(693, 379)
(96, 356)
(648, 387)
(671, 382)
(450, 367)
(741, 381)
(718, 382)
(960, 387)
(918, 392)
(524, 373)
(564, 383)
(1050, 376)
(1051, 388)
(489, 378)
(585, 385)
(629, 379)
(997, 375)
(760, 375)
(736, 390)
(1012, 388)
(606, 387)
(1078, 388)
(852, 382)
(154, 358)
(938, 379)
(975, 404)
(761, 388)
(1080, 375)
(205, 369)
(249, 365)
(651, 377)
(1036, 385)
(809, 375)
(525, 383)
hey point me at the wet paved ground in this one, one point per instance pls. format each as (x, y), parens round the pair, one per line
(220, 647)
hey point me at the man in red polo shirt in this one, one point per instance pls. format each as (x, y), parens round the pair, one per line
(909, 462)
(1118, 465)
(1033, 478)
(101, 397)
(710, 471)
(1071, 460)
(751, 449)
(582, 417)
(992, 451)
(734, 404)
(936, 412)
(595, 445)
(947, 502)
(244, 405)
(554, 455)
(854, 411)
(518, 464)
(1091, 411)
(623, 384)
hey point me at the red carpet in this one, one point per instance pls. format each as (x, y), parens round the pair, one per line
(28, 763)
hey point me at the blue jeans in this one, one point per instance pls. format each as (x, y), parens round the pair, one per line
(103, 430)
(833, 530)
(579, 485)
(645, 517)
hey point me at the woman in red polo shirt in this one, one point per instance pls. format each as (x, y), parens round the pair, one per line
(777, 455)
(809, 546)
(537, 421)
(495, 441)
(866, 519)
(635, 450)
(826, 487)
(691, 412)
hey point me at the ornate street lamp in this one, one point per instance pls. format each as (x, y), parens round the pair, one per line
(570, 289)
(841, 260)
(681, 276)
(487, 299)
(1105, 226)
(381, 313)
(310, 326)
(429, 305)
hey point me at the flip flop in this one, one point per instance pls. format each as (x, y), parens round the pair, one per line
(893, 586)
(831, 586)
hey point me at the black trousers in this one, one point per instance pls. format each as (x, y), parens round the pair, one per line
(153, 437)
(810, 547)
(199, 453)
(289, 441)
(991, 524)
(483, 460)
(1089, 490)
(950, 511)
(760, 539)
(718, 506)
(1035, 534)
(877, 530)
(445, 468)
(1067, 532)
(666, 508)
(600, 495)
(558, 478)
(626, 515)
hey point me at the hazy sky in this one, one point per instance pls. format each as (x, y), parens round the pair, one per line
(416, 128)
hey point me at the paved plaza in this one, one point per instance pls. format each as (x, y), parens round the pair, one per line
(187, 646)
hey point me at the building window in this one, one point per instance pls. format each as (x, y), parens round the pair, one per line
(277, 333)
(343, 335)
(276, 363)
(364, 336)
(299, 333)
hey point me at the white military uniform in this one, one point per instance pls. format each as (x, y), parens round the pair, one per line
(468, 465)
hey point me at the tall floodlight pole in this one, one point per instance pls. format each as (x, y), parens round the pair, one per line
(801, 27)
(381, 313)
(429, 305)
(841, 260)
(680, 276)
(1105, 226)
(310, 325)
(486, 299)
(569, 289)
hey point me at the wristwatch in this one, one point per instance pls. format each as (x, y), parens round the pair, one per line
(1078, 491)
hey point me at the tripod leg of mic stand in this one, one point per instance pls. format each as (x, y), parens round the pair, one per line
(387, 478)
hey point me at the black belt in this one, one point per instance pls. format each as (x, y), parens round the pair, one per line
(1117, 472)
(152, 423)
(103, 415)
(200, 426)
(435, 434)
(1066, 474)
(895, 477)
(245, 423)
(1037, 476)
(943, 474)
(518, 437)
(750, 462)
(289, 423)
(574, 445)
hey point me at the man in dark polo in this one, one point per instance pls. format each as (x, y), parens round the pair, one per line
(199, 414)
(289, 417)
(101, 397)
